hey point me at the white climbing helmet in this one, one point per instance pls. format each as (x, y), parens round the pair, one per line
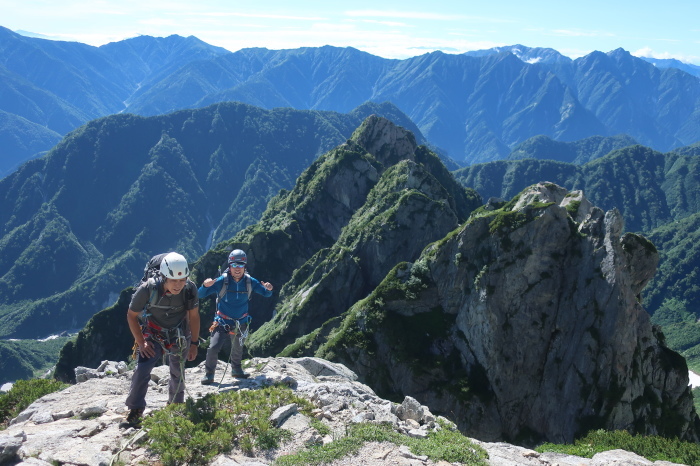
(174, 266)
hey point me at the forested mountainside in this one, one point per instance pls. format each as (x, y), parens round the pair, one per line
(576, 152)
(88, 215)
(521, 321)
(477, 106)
(650, 188)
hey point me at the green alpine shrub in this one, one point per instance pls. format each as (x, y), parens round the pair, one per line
(22, 394)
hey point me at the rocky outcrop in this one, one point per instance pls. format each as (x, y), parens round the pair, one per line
(80, 425)
(526, 324)
(407, 209)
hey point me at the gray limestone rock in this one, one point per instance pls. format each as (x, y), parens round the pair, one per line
(97, 439)
(282, 413)
(410, 408)
(10, 444)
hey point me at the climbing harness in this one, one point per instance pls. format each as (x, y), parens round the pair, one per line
(220, 321)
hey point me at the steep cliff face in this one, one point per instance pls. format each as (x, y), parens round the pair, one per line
(370, 204)
(525, 323)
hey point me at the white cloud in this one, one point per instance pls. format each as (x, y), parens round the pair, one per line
(580, 33)
(399, 14)
(644, 52)
(220, 14)
(649, 53)
(386, 23)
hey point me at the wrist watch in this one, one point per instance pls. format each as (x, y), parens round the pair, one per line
(194, 343)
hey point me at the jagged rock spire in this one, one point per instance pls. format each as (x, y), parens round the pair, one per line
(385, 141)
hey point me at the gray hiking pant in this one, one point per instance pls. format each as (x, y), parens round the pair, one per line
(218, 339)
(142, 375)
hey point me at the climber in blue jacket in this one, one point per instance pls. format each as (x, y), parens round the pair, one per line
(233, 289)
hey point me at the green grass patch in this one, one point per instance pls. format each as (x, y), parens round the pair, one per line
(446, 444)
(194, 432)
(651, 447)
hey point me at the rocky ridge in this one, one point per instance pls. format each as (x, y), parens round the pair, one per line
(525, 323)
(384, 198)
(80, 425)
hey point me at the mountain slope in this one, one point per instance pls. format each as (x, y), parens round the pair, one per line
(675, 282)
(408, 201)
(649, 188)
(19, 137)
(120, 189)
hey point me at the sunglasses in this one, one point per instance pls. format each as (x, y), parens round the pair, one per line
(237, 265)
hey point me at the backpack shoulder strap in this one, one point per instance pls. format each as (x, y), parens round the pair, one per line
(248, 285)
(189, 293)
(224, 286)
(153, 286)
(153, 299)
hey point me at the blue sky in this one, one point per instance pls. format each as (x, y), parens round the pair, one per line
(388, 28)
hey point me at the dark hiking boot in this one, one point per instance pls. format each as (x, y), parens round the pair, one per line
(208, 379)
(238, 373)
(133, 419)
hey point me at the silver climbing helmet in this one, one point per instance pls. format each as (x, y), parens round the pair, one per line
(174, 266)
(237, 256)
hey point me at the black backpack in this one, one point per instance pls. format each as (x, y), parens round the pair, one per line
(152, 268)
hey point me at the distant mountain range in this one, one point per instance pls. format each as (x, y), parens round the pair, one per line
(550, 56)
(476, 107)
(673, 63)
